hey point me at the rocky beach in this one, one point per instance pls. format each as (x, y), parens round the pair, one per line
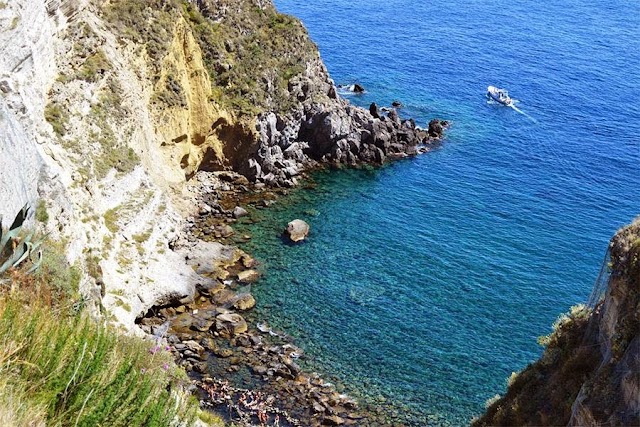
(240, 365)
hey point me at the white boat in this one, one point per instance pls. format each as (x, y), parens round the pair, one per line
(499, 95)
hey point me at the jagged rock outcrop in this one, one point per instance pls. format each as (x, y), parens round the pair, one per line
(306, 122)
(589, 374)
(332, 131)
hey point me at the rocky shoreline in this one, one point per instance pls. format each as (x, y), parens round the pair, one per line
(342, 134)
(243, 369)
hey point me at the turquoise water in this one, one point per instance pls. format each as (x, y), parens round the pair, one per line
(425, 284)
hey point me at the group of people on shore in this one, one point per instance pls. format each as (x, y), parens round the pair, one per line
(246, 405)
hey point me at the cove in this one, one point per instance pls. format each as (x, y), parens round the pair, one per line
(415, 300)
(424, 284)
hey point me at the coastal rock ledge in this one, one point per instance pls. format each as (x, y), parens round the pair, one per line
(337, 133)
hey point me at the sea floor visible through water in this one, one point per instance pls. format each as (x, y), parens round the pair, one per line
(425, 284)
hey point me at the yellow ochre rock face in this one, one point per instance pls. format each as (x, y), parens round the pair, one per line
(194, 130)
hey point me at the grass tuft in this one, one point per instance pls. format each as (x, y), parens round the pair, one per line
(56, 117)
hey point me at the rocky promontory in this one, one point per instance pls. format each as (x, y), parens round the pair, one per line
(298, 122)
(333, 133)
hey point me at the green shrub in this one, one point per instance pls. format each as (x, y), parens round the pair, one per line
(111, 220)
(56, 117)
(149, 23)
(114, 154)
(60, 368)
(41, 211)
(94, 67)
(61, 278)
(172, 94)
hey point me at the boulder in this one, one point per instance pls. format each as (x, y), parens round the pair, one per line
(248, 276)
(224, 297)
(201, 325)
(396, 104)
(182, 323)
(393, 115)
(193, 346)
(436, 128)
(230, 324)
(333, 420)
(259, 369)
(226, 230)
(239, 212)
(223, 352)
(358, 88)
(297, 230)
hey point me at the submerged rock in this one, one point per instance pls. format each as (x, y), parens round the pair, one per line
(245, 302)
(297, 230)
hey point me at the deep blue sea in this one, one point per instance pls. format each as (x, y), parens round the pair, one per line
(424, 284)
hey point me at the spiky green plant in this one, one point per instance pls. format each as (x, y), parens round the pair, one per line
(17, 247)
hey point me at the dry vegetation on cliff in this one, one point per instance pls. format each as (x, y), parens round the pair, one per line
(542, 394)
(251, 53)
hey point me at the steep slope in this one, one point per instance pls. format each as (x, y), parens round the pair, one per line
(589, 373)
(109, 108)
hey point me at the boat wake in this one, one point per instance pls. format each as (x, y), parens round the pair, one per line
(522, 112)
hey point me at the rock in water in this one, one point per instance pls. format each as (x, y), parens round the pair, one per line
(245, 302)
(436, 128)
(239, 212)
(358, 88)
(248, 276)
(297, 230)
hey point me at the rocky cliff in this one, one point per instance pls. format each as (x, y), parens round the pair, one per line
(109, 108)
(589, 373)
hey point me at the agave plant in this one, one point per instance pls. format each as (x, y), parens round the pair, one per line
(16, 248)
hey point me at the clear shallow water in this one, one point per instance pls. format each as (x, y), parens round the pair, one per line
(425, 283)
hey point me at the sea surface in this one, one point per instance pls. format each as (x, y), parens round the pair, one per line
(424, 284)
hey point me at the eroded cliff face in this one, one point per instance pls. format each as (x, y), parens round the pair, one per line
(611, 395)
(589, 373)
(82, 130)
